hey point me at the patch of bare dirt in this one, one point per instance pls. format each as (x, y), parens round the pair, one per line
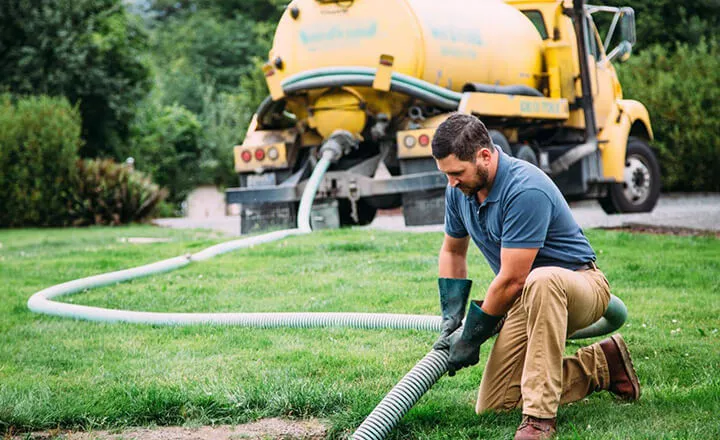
(664, 230)
(265, 429)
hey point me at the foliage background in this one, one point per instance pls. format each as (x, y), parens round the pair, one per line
(174, 84)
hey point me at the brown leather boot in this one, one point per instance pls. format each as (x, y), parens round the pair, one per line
(533, 428)
(624, 382)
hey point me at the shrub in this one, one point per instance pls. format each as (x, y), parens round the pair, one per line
(39, 144)
(680, 90)
(224, 119)
(166, 146)
(108, 193)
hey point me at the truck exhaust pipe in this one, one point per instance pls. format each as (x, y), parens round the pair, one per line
(590, 145)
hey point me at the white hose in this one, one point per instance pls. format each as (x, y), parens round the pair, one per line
(311, 189)
(41, 302)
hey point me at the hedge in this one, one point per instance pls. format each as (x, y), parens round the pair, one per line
(39, 144)
(681, 90)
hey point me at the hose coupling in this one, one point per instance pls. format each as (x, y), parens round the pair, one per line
(340, 143)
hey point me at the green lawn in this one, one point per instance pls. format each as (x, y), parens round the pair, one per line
(82, 375)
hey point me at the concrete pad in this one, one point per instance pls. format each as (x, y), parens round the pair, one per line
(699, 212)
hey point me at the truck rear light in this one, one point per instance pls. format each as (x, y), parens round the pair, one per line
(273, 154)
(246, 156)
(424, 140)
(259, 154)
(409, 141)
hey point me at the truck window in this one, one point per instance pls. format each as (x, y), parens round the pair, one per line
(593, 45)
(537, 19)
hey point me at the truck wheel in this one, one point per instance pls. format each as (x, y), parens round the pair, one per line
(524, 152)
(641, 189)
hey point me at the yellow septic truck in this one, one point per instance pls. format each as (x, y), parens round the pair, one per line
(376, 77)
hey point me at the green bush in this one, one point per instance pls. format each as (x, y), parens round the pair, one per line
(224, 118)
(165, 145)
(108, 193)
(39, 144)
(680, 89)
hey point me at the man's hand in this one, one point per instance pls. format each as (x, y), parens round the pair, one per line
(463, 353)
(465, 345)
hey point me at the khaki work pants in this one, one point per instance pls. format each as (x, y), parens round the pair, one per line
(526, 365)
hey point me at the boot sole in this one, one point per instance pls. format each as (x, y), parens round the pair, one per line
(628, 366)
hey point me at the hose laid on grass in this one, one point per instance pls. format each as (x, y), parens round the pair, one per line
(390, 410)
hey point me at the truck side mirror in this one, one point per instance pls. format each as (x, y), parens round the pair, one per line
(627, 25)
(621, 52)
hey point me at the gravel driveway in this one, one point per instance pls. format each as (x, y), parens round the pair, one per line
(699, 212)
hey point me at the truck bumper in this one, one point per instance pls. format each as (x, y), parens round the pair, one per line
(340, 184)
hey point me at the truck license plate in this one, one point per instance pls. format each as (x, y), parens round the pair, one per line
(265, 179)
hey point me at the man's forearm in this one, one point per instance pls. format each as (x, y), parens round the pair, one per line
(501, 294)
(452, 265)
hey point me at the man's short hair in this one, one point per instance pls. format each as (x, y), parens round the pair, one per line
(462, 135)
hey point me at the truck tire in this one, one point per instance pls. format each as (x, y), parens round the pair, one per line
(524, 152)
(641, 189)
(366, 213)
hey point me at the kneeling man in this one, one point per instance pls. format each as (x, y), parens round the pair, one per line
(547, 284)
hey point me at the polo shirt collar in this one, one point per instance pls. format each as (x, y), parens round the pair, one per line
(499, 181)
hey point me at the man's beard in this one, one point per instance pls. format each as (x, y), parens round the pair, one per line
(480, 183)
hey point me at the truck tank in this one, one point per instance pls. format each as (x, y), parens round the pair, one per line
(446, 43)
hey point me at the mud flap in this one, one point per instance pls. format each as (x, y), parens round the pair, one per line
(422, 208)
(267, 216)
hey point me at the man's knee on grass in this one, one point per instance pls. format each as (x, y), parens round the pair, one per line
(489, 405)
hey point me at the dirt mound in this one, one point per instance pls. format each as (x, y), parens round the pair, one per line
(663, 230)
(266, 429)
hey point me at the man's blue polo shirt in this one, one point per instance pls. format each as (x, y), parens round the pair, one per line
(524, 209)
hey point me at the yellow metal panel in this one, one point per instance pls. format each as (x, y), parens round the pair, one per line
(489, 104)
(266, 163)
(384, 73)
(613, 143)
(558, 56)
(637, 111)
(405, 152)
(614, 135)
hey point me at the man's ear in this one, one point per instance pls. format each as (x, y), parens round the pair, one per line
(483, 154)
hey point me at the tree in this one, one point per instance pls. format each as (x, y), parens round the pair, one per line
(90, 51)
(256, 10)
(668, 22)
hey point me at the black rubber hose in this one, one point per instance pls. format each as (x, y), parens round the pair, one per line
(503, 90)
